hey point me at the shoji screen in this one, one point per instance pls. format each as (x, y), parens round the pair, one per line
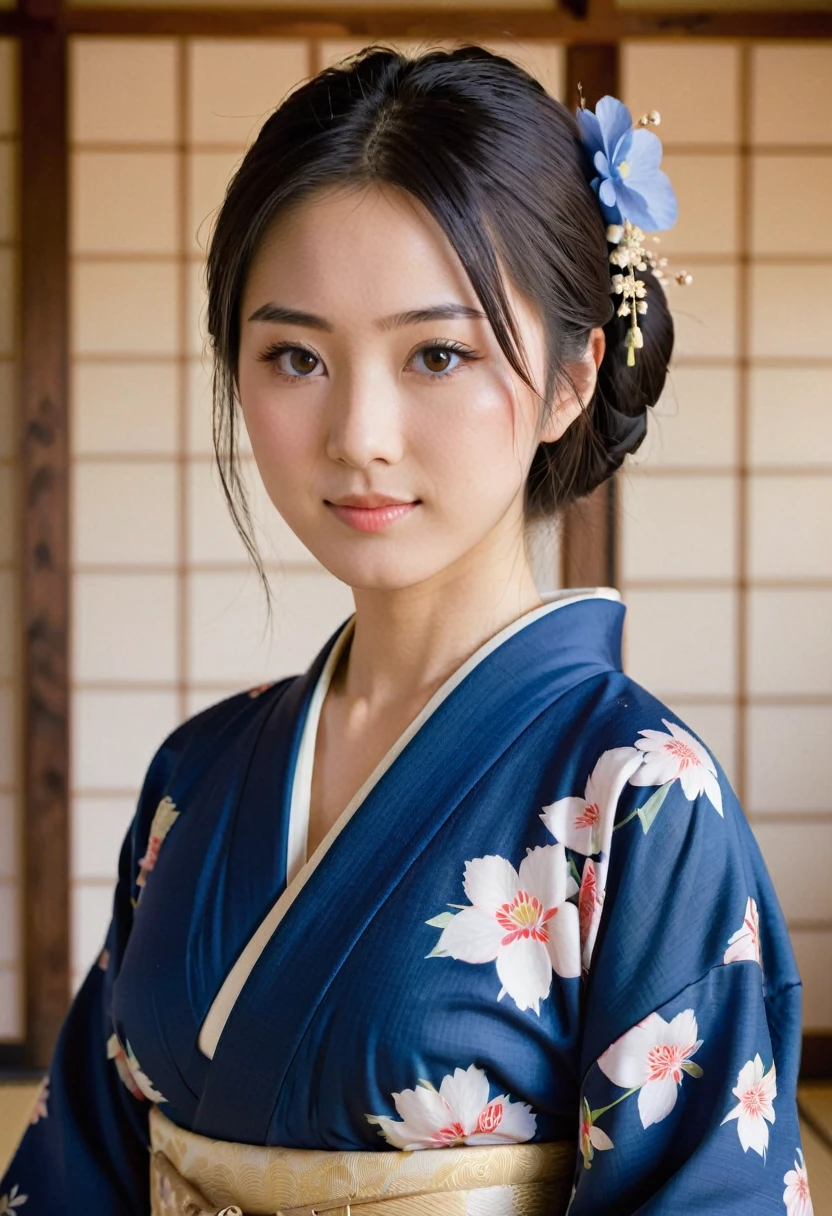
(726, 535)
(11, 968)
(167, 616)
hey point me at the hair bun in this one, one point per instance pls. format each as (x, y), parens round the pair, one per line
(625, 393)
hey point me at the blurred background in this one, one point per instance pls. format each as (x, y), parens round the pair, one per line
(126, 598)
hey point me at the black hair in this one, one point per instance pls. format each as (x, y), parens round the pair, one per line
(500, 165)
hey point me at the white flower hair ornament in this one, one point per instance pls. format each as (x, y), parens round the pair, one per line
(634, 194)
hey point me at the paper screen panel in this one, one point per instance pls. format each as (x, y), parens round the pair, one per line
(728, 589)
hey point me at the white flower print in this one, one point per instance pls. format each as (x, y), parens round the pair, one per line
(796, 1196)
(127, 1065)
(579, 823)
(592, 1138)
(459, 1112)
(164, 818)
(521, 920)
(677, 756)
(652, 1058)
(745, 943)
(12, 1200)
(756, 1092)
(39, 1110)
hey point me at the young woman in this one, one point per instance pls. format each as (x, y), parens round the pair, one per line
(461, 918)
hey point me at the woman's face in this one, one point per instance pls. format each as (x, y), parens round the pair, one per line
(367, 395)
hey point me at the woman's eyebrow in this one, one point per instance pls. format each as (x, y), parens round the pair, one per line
(271, 313)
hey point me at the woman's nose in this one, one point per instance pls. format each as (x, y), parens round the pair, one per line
(364, 422)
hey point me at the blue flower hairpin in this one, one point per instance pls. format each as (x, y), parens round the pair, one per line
(633, 194)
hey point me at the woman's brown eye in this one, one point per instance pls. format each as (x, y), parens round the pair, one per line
(302, 361)
(440, 356)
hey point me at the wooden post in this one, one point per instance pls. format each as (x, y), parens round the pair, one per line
(588, 529)
(43, 520)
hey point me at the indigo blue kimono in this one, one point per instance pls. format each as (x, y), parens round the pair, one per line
(543, 917)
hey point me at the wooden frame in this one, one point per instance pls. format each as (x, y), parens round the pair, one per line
(44, 501)
(592, 31)
(603, 23)
(588, 545)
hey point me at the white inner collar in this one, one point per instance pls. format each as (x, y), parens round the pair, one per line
(302, 783)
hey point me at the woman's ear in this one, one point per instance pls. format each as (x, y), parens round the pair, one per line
(570, 401)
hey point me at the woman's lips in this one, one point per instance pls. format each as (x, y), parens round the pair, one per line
(372, 519)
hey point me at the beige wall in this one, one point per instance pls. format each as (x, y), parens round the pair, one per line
(11, 987)
(726, 546)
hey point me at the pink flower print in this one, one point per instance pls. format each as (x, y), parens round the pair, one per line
(459, 1112)
(590, 907)
(116, 1052)
(164, 818)
(127, 1065)
(148, 861)
(756, 1092)
(677, 756)
(592, 1138)
(104, 959)
(582, 823)
(255, 692)
(11, 1201)
(745, 943)
(518, 919)
(652, 1058)
(796, 1196)
(39, 1110)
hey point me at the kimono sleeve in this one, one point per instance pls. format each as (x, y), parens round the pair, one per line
(692, 1000)
(86, 1146)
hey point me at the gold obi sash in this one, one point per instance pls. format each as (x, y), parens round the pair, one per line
(192, 1175)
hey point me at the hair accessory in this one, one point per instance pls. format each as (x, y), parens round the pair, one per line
(634, 195)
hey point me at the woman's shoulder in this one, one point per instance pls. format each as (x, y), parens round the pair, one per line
(632, 732)
(672, 880)
(230, 714)
(185, 754)
(646, 794)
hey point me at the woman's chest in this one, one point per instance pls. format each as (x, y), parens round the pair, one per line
(408, 953)
(347, 751)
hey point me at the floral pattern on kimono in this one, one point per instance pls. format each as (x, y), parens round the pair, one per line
(164, 818)
(756, 1090)
(668, 1058)
(459, 1112)
(130, 1072)
(12, 1201)
(519, 919)
(796, 1196)
(40, 1107)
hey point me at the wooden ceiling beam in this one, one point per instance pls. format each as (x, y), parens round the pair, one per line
(603, 24)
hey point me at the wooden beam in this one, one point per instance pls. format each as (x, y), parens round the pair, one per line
(588, 527)
(564, 23)
(43, 515)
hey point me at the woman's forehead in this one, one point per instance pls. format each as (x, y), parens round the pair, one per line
(372, 249)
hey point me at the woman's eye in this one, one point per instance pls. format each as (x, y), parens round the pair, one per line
(291, 362)
(443, 359)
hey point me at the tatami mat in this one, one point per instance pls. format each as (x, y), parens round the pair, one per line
(816, 1100)
(16, 1102)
